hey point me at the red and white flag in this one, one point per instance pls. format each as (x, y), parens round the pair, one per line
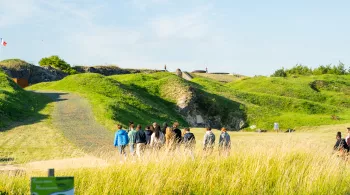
(3, 42)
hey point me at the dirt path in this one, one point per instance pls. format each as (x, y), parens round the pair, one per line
(59, 164)
(73, 116)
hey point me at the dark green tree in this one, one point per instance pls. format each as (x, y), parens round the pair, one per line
(279, 73)
(57, 63)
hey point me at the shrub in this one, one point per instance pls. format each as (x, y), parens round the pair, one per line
(299, 69)
(58, 63)
(279, 73)
(329, 69)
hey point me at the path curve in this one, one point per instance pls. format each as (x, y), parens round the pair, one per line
(73, 116)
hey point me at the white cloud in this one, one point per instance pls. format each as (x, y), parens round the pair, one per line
(190, 25)
(15, 12)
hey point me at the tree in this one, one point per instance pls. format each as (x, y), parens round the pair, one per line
(322, 70)
(58, 63)
(339, 70)
(299, 69)
(279, 73)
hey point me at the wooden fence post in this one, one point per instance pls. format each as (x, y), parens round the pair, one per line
(51, 173)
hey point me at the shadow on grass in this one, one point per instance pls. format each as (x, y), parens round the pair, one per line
(23, 108)
(160, 110)
(217, 111)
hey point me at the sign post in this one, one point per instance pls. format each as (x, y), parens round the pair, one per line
(52, 185)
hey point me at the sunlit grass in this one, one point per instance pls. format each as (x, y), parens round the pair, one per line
(271, 163)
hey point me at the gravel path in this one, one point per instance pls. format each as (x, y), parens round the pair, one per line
(73, 116)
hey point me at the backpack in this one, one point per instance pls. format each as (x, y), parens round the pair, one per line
(210, 139)
(190, 139)
(225, 139)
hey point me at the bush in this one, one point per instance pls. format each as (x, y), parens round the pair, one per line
(299, 70)
(304, 70)
(279, 73)
(329, 69)
(58, 63)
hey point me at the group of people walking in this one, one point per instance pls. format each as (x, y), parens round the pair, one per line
(156, 138)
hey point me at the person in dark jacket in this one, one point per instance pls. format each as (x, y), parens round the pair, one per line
(189, 141)
(148, 132)
(341, 144)
(224, 142)
(140, 140)
(177, 131)
(178, 136)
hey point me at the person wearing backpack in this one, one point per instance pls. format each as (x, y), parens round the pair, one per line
(224, 142)
(131, 135)
(140, 140)
(189, 141)
(209, 140)
(121, 140)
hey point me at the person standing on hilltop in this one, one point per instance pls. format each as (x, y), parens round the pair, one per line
(209, 140)
(121, 140)
(140, 140)
(131, 135)
(224, 142)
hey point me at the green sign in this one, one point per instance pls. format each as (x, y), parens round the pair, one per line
(52, 186)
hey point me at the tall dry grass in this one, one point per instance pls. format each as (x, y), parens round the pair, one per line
(263, 164)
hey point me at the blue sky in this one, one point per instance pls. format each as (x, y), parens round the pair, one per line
(249, 37)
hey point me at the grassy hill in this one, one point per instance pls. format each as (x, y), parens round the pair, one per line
(17, 104)
(114, 102)
(293, 102)
(14, 63)
(144, 98)
(261, 101)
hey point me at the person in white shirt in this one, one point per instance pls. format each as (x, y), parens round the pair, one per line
(276, 127)
(157, 139)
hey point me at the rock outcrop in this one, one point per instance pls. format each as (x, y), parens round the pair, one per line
(34, 74)
(111, 70)
(200, 110)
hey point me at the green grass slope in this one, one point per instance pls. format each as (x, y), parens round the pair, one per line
(293, 102)
(261, 101)
(143, 98)
(170, 87)
(17, 104)
(114, 102)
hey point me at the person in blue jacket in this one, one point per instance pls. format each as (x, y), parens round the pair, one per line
(121, 140)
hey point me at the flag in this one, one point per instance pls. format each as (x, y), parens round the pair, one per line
(3, 42)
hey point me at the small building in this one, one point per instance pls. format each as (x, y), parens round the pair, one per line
(21, 82)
